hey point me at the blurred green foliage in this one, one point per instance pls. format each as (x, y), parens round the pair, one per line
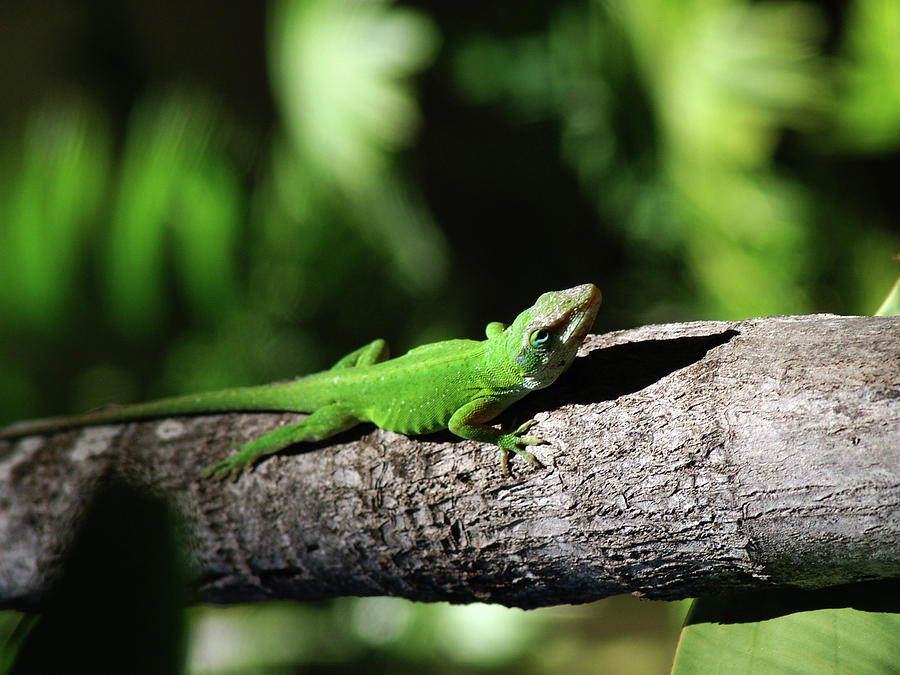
(174, 188)
(867, 115)
(54, 177)
(671, 115)
(392, 635)
(891, 304)
(415, 170)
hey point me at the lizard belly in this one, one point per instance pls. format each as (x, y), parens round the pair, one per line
(417, 411)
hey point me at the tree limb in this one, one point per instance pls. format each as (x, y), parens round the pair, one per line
(684, 460)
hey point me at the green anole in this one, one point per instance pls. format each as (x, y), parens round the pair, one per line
(459, 385)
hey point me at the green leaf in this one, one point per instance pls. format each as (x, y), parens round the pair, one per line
(789, 631)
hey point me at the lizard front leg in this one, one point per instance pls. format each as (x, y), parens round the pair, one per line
(470, 422)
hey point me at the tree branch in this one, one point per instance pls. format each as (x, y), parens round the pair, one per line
(684, 460)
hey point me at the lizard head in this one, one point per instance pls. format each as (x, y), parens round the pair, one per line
(545, 337)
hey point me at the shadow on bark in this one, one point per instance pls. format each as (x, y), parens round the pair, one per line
(606, 374)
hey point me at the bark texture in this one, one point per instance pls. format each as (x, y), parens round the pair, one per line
(683, 460)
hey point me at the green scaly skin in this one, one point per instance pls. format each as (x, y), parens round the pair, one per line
(459, 385)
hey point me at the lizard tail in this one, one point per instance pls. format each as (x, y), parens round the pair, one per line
(262, 398)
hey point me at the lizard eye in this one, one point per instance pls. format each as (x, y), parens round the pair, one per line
(539, 338)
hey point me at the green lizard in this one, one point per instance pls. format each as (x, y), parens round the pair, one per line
(458, 385)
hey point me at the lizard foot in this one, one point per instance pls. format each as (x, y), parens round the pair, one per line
(514, 441)
(229, 468)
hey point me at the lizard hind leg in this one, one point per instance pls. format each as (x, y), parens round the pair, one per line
(323, 423)
(374, 352)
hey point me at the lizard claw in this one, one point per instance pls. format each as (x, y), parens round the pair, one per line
(531, 459)
(524, 454)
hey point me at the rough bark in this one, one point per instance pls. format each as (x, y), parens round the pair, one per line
(683, 460)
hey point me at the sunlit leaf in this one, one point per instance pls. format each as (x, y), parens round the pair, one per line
(717, 639)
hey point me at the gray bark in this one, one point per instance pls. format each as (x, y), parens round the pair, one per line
(683, 460)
